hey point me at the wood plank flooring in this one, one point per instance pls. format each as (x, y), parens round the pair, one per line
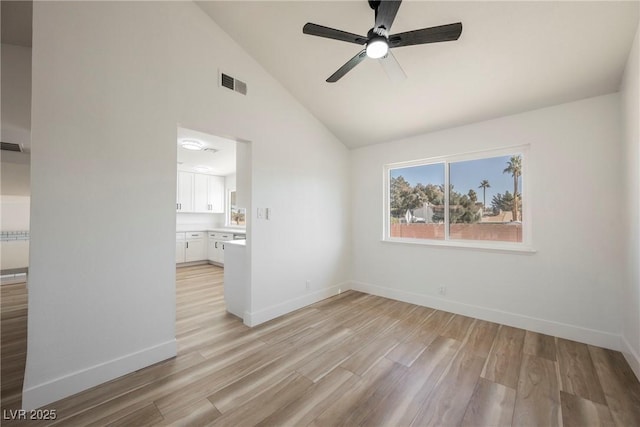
(354, 359)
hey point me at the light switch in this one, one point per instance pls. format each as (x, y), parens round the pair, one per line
(267, 213)
(260, 213)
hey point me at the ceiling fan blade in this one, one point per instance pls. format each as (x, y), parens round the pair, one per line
(441, 33)
(347, 67)
(393, 69)
(386, 13)
(332, 33)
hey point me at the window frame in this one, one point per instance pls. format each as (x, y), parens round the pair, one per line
(525, 191)
(228, 222)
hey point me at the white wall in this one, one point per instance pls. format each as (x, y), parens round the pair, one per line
(15, 127)
(630, 97)
(14, 213)
(14, 216)
(15, 171)
(571, 286)
(101, 286)
(115, 78)
(198, 221)
(15, 83)
(230, 183)
(299, 169)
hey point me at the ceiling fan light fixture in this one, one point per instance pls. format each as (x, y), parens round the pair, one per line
(191, 144)
(377, 48)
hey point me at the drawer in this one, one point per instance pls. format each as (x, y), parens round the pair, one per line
(220, 236)
(195, 235)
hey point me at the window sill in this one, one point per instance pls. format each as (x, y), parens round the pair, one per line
(465, 244)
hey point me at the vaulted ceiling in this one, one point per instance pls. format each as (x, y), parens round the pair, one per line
(512, 57)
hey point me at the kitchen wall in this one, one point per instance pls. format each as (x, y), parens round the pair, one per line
(15, 213)
(15, 170)
(15, 127)
(571, 286)
(630, 97)
(117, 77)
(14, 242)
(229, 183)
(195, 221)
(15, 80)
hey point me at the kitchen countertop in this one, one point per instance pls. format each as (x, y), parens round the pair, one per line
(189, 228)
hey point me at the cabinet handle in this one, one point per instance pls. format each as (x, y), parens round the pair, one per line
(216, 245)
(223, 246)
(187, 245)
(177, 206)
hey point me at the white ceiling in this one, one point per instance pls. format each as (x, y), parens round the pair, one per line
(512, 57)
(222, 162)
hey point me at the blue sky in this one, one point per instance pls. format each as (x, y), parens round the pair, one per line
(464, 175)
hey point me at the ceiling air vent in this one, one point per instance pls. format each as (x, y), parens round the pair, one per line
(233, 84)
(226, 81)
(9, 146)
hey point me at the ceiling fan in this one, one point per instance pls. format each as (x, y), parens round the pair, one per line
(378, 42)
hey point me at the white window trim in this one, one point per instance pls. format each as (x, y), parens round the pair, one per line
(526, 246)
(227, 214)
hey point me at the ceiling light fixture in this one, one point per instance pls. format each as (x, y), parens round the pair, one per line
(201, 168)
(377, 47)
(191, 144)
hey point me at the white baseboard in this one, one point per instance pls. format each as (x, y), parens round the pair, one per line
(42, 394)
(562, 330)
(632, 356)
(260, 316)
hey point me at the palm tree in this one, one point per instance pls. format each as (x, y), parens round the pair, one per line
(514, 167)
(484, 184)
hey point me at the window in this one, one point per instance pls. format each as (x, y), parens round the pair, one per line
(235, 216)
(473, 200)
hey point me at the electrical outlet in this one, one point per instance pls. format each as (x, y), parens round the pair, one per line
(442, 290)
(308, 283)
(260, 213)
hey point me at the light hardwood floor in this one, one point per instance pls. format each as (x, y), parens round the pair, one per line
(354, 359)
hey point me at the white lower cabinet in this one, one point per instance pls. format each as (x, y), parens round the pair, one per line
(212, 250)
(195, 250)
(180, 247)
(216, 245)
(190, 247)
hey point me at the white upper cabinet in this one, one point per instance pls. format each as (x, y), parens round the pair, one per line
(215, 195)
(201, 190)
(184, 199)
(200, 193)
